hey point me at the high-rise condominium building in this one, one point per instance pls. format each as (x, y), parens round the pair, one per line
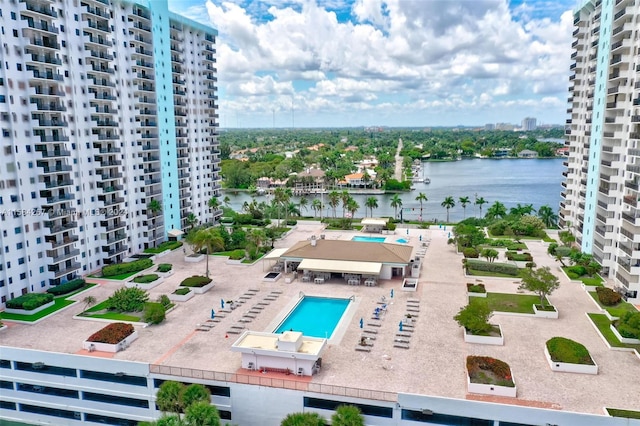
(529, 124)
(602, 186)
(109, 134)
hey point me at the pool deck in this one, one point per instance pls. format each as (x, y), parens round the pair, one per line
(433, 363)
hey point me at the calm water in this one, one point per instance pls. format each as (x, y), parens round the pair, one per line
(511, 182)
(315, 316)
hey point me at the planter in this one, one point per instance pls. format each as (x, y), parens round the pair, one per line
(590, 288)
(626, 340)
(485, 389)
(410, 284)
(164, 274)
(471, 294)
(566, 367)
(106, 347)
(194, 259)
(181, 297)
(147, 286)
(201, 290)
(164, 253)
(30, 312)
(234, 261)
(545, 314)
(485, 340)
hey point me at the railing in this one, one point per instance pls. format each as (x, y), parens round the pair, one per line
(274, 382)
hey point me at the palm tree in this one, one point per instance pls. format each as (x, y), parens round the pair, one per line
(345, 197)
(347, 415)
(334, 200)
(396, 203)
(447, 204)
(191, 220)
(88, 301)
(214, 205)
(208, 238)
(463, 202)
(371, 203)
(302, 204)
(226, 200)
(520, 210)
(154, 206)
(303, 419)
(316, 206)
(366, 178)
(352, 207)
(548, 216)
(479, 202)
(496, 210)
(421, 197)
(291, 209)
(281, 197)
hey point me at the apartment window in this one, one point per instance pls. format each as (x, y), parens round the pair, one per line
(15, 32)
(23, 276)
(13, 16)
(17, 230)
(19, 246)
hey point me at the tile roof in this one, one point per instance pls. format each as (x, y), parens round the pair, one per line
(356, 251)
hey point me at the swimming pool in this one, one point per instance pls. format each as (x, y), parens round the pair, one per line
(402, 241)
(369, 239)
(315, 316)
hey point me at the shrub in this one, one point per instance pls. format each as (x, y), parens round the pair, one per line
(164, 267)
(237, 254)
(519, 257)
(182, 291)
(195, 281)
(124, 268)
(475, 317)
(501, 268)
(154, 313)
(67, 287)
(607, 296)
(629, 325)
(145, 279)
(552, 249)
(577, 270)
(476, 288)
(563, 251)
(390, 226)
(112, 334)
(470, 252)
(164, 300)
(292, 222)
(169, 245)
(127, 300)
(30, 301)
(566, 350)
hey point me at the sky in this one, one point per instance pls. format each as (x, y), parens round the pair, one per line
(397, 63)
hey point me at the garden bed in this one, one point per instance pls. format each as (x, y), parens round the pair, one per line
(490, 376)
(616, 311)
(626, 414)
(30, 311)
(180, 295)
(513, 303)
(476, 290)
(549, 311)
(565, 355)
(495, 337)
(112, 338)
(602, 324)
(625, 340)
(145, 285)
(194, 258)
(198, 284)
(165, 246)
(59, 303)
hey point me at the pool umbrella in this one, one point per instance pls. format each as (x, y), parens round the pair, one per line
(392, 293)
(361, 323)
(400, 325)
(213, 314)
(221, 303)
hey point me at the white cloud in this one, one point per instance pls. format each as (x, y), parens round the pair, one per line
(394, 56)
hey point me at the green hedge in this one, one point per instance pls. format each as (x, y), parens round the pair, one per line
(123, 268)
(502, 268)
(167, 245)
(164, 267)
(67, 287)
(182, 291)
(195, 281)
(566, 350)
(145, 279)
(476, 288)
(30, 301)
(237, 254)
(519, 257)
(629, 325)
(470, 253)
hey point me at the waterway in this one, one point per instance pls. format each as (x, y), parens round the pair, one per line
(510, 181)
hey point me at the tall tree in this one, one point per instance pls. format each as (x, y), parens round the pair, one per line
(302, 204)
(207, 238)
(334, 200)
(396, 203)
(497, 210)
(421, 198)
(448, 203)
(352, 207)
(371, 203)
(316, 206)
(463, 202)
(214, 205)
(191, 221)
(480, 202)
(548, 216)
(344, 197)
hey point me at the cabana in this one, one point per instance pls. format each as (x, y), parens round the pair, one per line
(373, 225)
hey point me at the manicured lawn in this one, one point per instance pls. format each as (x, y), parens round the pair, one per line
(59, 303)
(595, 281)
(117, 277)
(96, 311)
(95, 308)
(518, 303)
(254, 260)
(602, 323)
(223, 253)
(627, 414)
(617, 310)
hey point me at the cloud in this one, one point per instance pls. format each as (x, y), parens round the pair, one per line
(391, 55)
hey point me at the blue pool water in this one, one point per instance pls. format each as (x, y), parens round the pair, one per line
(315, 316)
(402, 241)
(369, 239)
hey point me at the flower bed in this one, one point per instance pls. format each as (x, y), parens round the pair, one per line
(490, 376)
(112, 338)
(29, 303)
(198, 283)
(568, 356)
(494, 338)
(476, 290)
(181, 294)
(549, 311)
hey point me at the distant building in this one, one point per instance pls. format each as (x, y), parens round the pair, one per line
(529, 124)
(504, 126)
(527, 153)
(489, 126)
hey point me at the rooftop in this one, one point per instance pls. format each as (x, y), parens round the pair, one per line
(354, 251)
(434, 363)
